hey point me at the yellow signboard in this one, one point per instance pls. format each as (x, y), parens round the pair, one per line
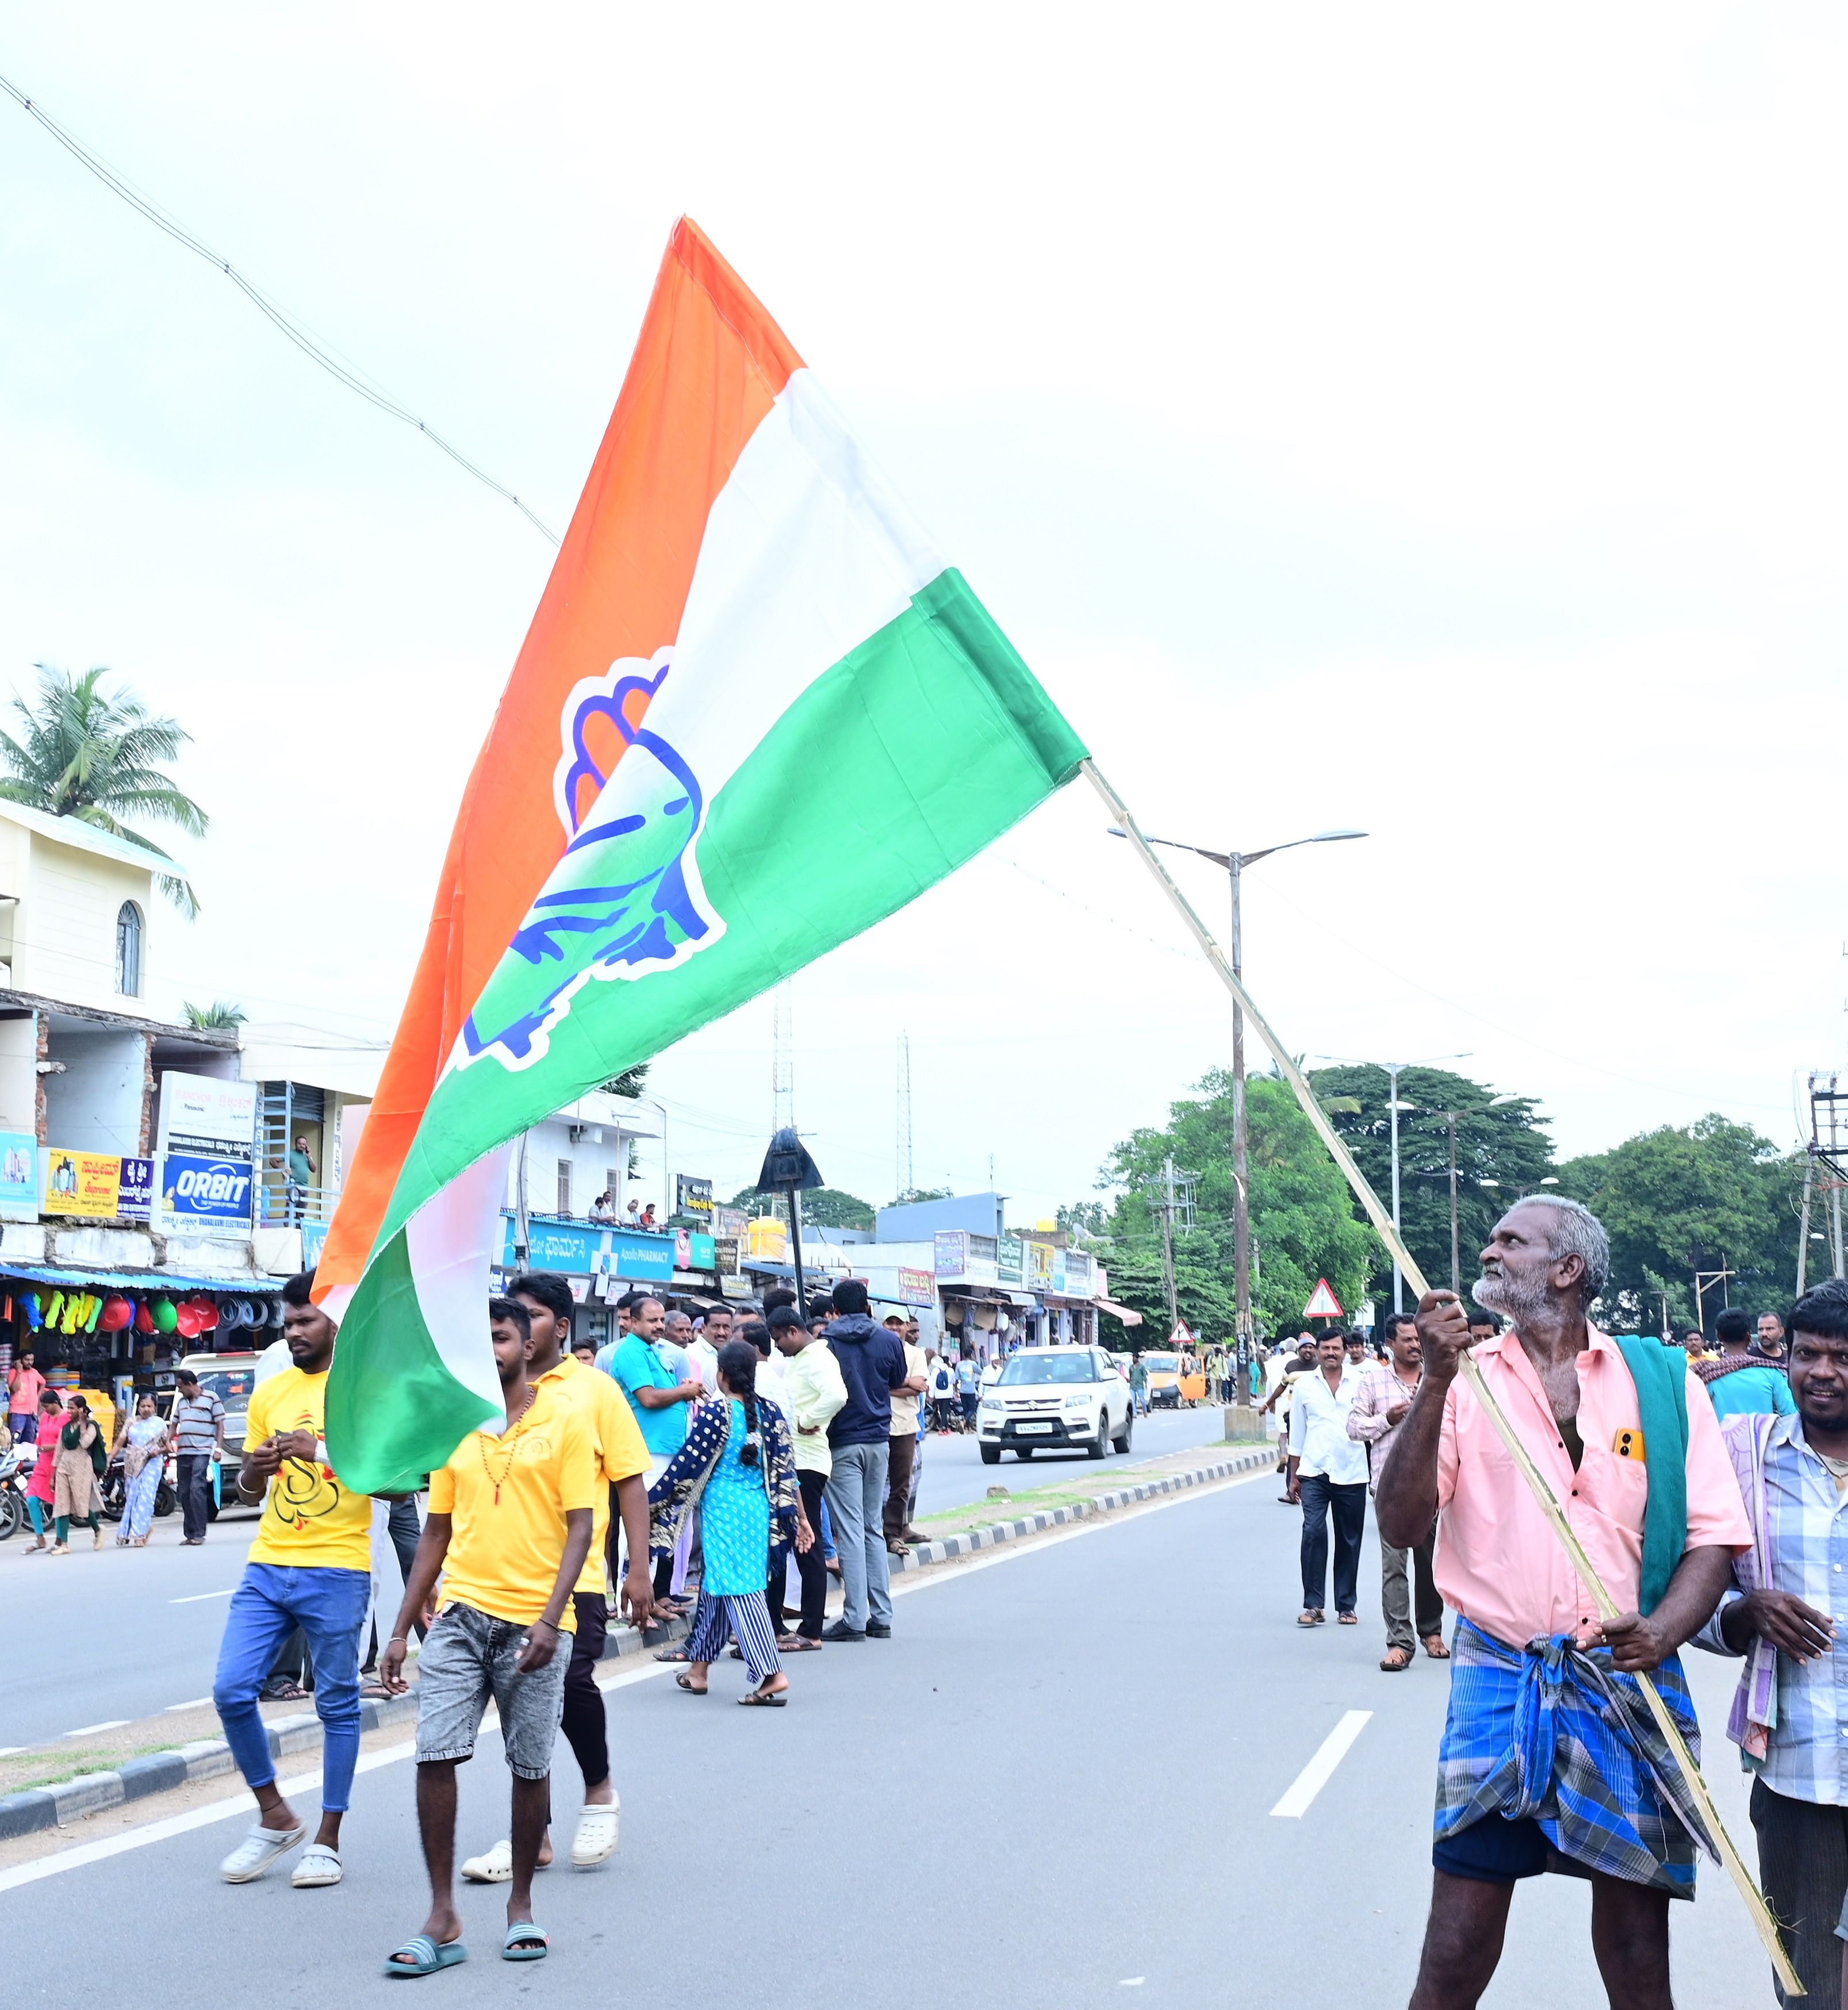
(83, 1182)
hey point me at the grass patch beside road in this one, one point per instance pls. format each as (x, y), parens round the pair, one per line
(73, 1765)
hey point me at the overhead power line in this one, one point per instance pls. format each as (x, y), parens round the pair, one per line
(341, 372)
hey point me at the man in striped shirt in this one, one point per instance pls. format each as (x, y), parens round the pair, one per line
(1786, 1610)
(198, 1432)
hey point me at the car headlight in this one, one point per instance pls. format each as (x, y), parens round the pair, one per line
(994, 1409)
(1077, 1402)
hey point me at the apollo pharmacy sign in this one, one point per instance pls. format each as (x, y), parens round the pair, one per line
(205, 1170)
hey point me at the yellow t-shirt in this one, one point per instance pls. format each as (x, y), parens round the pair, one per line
(616, 1449)
(507, 1497)
(310, 1520)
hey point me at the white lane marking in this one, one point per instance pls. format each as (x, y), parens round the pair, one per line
(198, 1597)
(1320, 1769)
(198, 1703)
(76, 1858)
(162, 1832)
(1132, 1982)
(7, 1751)
(88, 1730)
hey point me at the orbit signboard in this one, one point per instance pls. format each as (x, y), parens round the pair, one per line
(206, 1175)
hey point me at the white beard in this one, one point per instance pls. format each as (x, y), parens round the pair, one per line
(1497, 1292)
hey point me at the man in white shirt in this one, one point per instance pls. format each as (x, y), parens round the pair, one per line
(702, 1350)
(902, 1455)
(1328, 1476)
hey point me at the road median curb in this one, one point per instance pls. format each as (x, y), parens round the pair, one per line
(948, 1549)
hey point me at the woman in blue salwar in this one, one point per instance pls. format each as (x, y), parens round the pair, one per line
(738, 1468)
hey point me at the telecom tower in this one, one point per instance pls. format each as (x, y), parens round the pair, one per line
(783, 1066)
(907, 1180)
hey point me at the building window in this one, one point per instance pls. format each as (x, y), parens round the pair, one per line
(564, 1186)
(128, 950)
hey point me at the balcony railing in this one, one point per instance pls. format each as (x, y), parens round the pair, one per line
(282, 1204)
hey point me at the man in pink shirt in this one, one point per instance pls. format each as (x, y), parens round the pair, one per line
(1549, 1759)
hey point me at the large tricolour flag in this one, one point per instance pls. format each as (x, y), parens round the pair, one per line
(756, 711)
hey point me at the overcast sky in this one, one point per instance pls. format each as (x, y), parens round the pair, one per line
(1430, 419)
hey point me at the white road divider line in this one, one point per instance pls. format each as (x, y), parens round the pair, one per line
(199, 1597)
(90, 1730)
(198, 1703)
(1320, 1769)
(76, 1857)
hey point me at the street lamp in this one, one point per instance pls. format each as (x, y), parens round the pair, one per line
(1234, 863)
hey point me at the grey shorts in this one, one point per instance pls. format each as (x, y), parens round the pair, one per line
(469, 1658)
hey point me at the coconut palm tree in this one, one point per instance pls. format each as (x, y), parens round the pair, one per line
(218, 1017)
(93, 755)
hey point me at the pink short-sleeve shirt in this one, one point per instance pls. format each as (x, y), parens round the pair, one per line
(1498, 1562)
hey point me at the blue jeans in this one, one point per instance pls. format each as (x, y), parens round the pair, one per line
(330, 1606)
(856, 1495)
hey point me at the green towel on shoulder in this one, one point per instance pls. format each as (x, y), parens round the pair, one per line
(1660, 1373)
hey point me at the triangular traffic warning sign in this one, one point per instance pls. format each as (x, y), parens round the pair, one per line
(1323, 1303)
(1181, 1336)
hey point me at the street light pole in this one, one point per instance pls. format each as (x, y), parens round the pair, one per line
(1456, 1266)
(1241, 1213)
(1234, 863)
(1398, 1283)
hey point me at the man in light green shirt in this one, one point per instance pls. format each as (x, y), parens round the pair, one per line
(812, 1377)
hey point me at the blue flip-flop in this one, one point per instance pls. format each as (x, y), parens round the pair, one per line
(427, 1956)
(525, 1941)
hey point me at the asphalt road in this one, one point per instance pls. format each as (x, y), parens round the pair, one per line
(139, 1629)
(1053, 1789)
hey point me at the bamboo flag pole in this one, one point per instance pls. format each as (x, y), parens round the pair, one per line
(1543, 1494)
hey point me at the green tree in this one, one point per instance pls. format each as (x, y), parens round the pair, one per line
(630, 1082)
(1083, 1220)
(95, 755)
(1713, 1195)
(1302, 1226)
(1502, 1152)
(828, 1207)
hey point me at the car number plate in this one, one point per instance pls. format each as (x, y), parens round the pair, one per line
(1032, 1427)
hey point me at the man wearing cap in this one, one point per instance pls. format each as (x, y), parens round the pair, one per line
(199, 1433)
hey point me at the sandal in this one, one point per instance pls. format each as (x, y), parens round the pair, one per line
(426, 1956)
(1347, 1619)
(686, 1682)
(1434, 1646)
(797, 1643)
(525, 1941)
(673, 1654)
(1311, 1615)
(764, 1699)
(1398, 1659)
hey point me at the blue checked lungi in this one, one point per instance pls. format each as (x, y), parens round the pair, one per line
(1551, 1732)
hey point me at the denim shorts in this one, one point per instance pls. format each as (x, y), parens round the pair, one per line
(469, 1658)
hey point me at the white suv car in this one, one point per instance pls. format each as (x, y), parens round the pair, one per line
(1055, 1396)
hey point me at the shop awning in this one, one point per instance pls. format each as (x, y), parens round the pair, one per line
(1118, 1311)
(143, 1281)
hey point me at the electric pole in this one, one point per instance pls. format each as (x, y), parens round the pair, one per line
(1456, 1266)
(1168, 1244)
(1241, 1208)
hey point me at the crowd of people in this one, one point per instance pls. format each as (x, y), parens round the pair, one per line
(694, 1468)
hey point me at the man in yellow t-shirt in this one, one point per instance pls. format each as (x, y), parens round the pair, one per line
(508, 1529)
(620, 1460)
(312, 1566)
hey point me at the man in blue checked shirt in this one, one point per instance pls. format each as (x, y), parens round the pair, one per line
(1785, 1613)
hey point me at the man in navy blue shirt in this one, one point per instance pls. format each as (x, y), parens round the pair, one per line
(872, 1365)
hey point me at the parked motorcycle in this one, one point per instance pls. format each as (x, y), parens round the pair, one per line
(115, 1491)
(15, 1469)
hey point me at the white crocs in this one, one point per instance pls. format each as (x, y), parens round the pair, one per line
(492, 1866)
(598, 1828)
(257, 1851)
(319, 1866)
